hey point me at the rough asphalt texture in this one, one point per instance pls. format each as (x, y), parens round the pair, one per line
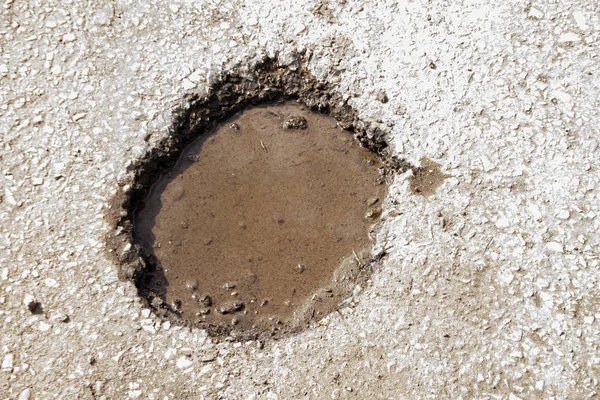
(491, 286)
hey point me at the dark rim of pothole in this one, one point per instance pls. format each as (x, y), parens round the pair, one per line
(265, 82)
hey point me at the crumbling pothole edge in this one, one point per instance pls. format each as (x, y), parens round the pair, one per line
(266, 81)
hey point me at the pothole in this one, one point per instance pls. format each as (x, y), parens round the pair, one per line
(255, 215)
(249, 227)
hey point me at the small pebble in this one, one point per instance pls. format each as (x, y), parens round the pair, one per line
(372, 201)
(60, 317)
(382, 97)
(372, 214)
(192, 285)
(177, 304)
(25, 394)
(205, 300)
(230, 307)
(7, 362)
(295, 122)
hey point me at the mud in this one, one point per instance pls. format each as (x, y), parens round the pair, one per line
(255, 218)
(196, 115)
(427, 178)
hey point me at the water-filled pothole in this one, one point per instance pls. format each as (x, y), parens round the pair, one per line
(260, 224)
(249, 227)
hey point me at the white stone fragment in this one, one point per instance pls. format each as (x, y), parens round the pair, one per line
(569, 37)
(184, 362)
(50, 282)
(44, 326)
(28, 299)
(580, 20)
(134, 394)
(187, 84)
(146, 313)
(487, 165)
(589, 319)
(555, 247)
(138, 151)
(535, 212)
(69, 37)
(591, 215)
(149, 328)
(563, 214)
(562, 96)
(7, 362)
(196, 76)
(37, 181)
(513, 397)
(8, 196)
(25, 394)
(79, 116)
(60, 317)
(103, 16)
(505, 277)
(502, 222)
(4, 275)
(535, 13)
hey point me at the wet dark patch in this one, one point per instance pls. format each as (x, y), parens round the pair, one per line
(427, 178)
(265, 82)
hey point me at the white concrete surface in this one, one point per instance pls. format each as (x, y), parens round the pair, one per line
(491, 287)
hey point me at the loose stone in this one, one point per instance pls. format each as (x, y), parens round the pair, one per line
(295, 122)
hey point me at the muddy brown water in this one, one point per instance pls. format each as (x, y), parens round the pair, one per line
(257, 219)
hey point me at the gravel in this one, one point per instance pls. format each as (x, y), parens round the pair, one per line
(489, 288)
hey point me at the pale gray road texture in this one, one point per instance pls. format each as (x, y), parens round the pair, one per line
(490, 289)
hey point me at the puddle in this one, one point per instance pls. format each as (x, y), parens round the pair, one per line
(258, 228)
(427, 178)
(263, 223)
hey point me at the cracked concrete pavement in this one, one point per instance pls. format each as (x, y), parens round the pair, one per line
(491, 287)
